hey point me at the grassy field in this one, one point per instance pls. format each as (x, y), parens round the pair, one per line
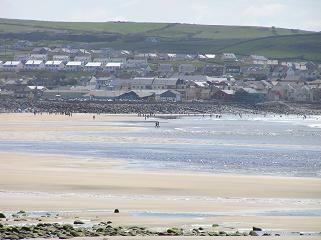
(172, 37)
(163, 30)
(299, 47)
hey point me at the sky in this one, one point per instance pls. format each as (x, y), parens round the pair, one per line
(294, 14)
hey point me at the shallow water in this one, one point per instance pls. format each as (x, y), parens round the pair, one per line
(253, 144)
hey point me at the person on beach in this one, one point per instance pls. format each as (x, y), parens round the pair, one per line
(94, 117)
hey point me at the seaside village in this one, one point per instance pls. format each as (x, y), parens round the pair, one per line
(121, 75)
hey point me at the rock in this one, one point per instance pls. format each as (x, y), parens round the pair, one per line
(78, 222)
(257, 229)
(213, 234)
(21, 212)
(12, 236)
(62, 236)
(109, 222)
(69, 227)
(116, 210)
(215, 225)
(252, 233)
(2, 215)
(174, 231)
(266, 234)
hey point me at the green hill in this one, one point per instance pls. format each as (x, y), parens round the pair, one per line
(168, 37)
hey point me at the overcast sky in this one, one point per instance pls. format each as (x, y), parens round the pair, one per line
(302, 14)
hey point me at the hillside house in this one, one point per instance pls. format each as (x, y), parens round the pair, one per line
(133, 63)
(186, 68)
(12, 66)
(34, 65)
(273, 62)
(224, 94)
(213, 70)
(93, 66)
(249, 95)
(54, 66)
(210, 56)
(165, 68)
(41, 57)
(197, 90)
(22, 57)
(258, 60)
(103, 61)
(154, 83)
(122, 60)
(83, 59)
(229, 57)
(232, 69)
(113, 67)
(168, 96)
(63, 58)
(41, 50)
(74, 66)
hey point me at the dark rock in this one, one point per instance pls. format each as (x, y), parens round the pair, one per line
(215, 225)
(257, 229)
(213, 234)
(78, 222)
(2, 215)
(174, 231)
(116, 210)
(252, 233)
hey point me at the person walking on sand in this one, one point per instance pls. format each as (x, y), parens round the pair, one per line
(94, 117)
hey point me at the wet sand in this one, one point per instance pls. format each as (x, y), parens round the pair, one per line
(43, 182)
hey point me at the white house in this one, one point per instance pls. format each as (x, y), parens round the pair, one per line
(201, 56)
(258, 60)
(186, 68)
(74, 66)
(93, 66)
(54, 65)
(113, 66)
(210, 56)
(229, 57)
(34, 65)
(12, 66)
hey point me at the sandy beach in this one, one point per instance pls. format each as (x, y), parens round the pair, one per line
(89, 188)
